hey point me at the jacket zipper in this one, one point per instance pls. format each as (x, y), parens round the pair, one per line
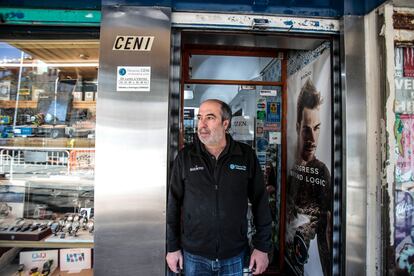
(216, 187)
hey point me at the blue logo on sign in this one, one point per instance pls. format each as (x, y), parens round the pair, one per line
(122, 71)
(237, 167)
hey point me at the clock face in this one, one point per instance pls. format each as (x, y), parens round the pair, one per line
(3, 91)
(54, 133)
(301, 250)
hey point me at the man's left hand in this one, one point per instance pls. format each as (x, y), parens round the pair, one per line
(258, 262)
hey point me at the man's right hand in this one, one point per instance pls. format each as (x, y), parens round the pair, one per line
(175, 261)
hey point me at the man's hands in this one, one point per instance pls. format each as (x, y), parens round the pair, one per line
(258, 261)
(175, 261)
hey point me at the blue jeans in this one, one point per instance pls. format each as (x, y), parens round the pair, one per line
(195, 265)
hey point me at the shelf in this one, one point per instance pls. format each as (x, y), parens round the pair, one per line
(11, 269)
(43, 244)
(83, 104)
(21, 104)
(33, 104)
(83, 240)
(47, 142)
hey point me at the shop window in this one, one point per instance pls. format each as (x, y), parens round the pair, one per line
(48, 94)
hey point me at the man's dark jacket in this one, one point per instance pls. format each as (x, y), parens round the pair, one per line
(208, 200)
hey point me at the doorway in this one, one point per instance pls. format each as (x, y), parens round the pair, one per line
(251, 73)
(252, 81)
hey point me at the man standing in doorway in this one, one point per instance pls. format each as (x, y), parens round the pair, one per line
(211, 183)
(309, 190)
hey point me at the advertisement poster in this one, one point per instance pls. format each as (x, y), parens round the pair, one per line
(404, 95)
(399, 62)
(309, 188)
(404, 232)
(404, 134)
(408, 62)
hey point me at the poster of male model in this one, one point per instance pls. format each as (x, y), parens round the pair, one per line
(309, 187)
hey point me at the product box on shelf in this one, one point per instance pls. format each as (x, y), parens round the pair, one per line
(41, 261)
(28, 235)
(75, 260)
(89, 96)
(77, 96)
(83, 272)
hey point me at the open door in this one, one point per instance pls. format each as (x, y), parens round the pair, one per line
(253, 82)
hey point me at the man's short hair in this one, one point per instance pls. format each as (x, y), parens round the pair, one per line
(225, 110)
(308, 97)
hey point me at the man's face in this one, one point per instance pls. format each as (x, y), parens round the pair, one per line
(211, 127)
(308, 133)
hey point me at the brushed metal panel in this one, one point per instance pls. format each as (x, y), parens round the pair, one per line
(356, 139)
(131, 147)
(175, 76)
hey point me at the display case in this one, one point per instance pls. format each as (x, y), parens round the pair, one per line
(48, 92)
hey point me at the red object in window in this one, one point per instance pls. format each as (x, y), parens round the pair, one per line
(409, 62)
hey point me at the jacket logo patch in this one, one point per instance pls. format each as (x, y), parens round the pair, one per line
(196, 168)
(237, 167)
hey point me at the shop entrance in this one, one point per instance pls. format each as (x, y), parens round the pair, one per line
(253, 82)
(260, 77)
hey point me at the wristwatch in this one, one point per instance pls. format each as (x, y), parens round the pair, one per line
(47, 267)
(90, 226)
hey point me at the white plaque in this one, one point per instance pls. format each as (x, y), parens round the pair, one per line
(268, 93)
(133, 78)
